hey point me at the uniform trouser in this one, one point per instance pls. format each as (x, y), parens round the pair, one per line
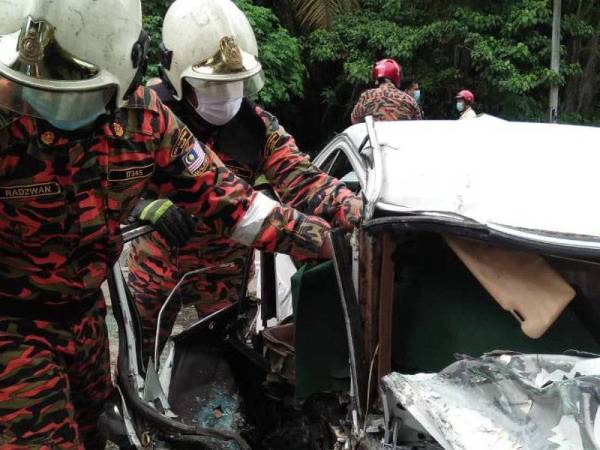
(151, 281)
(54, 379)
(149, 301)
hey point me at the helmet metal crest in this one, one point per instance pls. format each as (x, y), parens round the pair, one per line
(228, 58)
(218, 47)
(34, 39)
(43, 48)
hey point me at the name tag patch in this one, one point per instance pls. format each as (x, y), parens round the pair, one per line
(30, 190)
(196, 161)
(130, 173)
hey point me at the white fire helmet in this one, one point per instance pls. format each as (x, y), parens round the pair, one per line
(209, 43)
(66, 59)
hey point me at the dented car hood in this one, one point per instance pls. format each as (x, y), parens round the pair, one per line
(507, 401)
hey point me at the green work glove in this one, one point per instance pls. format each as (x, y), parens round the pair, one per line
(172, 222)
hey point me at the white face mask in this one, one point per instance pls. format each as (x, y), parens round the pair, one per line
(219, 113)
(218, 103)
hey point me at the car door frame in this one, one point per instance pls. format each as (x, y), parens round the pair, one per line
(342, 143)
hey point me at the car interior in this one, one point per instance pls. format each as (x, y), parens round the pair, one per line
(442, 310)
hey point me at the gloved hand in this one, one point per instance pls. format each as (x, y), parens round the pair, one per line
(172, 222)
(349, 215)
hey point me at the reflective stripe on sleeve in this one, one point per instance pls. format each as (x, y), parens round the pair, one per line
(247, 229)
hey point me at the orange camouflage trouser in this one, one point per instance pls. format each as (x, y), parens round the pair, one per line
(54, 379)
(154, 272)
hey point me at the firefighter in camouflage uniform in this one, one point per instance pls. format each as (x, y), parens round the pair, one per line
(79, 147)
(214, 104)
(386, 101)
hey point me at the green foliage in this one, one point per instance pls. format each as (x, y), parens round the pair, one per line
(155, 7)
(279, 52)
(152, 25)
(500, 50)
(154, 11)
(312, 14)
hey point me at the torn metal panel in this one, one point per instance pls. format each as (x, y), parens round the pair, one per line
(386, 305)
(154, 393)
(506, 401)
(351, 311)
(369, 270)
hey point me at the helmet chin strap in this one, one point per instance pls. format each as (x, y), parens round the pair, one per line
(139, 59)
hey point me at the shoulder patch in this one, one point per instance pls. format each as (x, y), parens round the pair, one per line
(196, 160)
(273, 140)
(30, 190)
(184, 142)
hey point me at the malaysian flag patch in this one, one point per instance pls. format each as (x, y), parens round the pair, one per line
(195, 160)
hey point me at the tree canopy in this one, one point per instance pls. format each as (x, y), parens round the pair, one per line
(499, 50)
(319, 60)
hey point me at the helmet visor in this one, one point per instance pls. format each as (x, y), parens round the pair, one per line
(54, 105)
(33, 53)
(227, 90)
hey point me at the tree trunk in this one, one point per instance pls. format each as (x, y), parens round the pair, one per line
(589, 79)
(284, 12)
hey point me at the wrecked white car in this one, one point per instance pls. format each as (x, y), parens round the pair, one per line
(462, 315)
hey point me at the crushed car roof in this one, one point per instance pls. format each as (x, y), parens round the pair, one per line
(526, 176)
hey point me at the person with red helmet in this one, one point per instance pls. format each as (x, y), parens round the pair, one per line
(386, 101)
(464, 104)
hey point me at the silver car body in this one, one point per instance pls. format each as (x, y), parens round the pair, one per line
(529, 182)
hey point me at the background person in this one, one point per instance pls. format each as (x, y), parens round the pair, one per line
(464, 104)
(386, 101)
(413, 88)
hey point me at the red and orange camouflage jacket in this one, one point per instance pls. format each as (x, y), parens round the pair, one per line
(386, 102)
(63, 197)
(296, 181)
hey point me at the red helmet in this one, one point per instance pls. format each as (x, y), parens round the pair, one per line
(388, 68)
(466, 95)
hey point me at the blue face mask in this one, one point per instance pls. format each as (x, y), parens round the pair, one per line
(66, 112)
(460, 106)
(71, 125)
(417, 95)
